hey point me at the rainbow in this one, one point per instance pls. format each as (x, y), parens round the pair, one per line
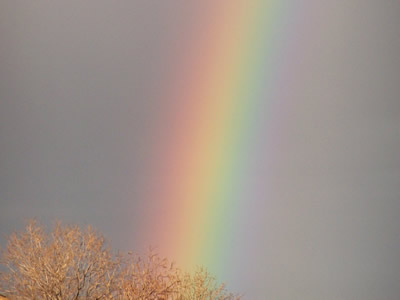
(222, 95)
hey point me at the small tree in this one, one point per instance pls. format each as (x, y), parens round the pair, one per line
(202, 286)
(66, 264)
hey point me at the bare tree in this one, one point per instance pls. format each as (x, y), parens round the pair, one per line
(67, 264)
(154, 278)
(74, 264)
(201, 285)
(149, 278)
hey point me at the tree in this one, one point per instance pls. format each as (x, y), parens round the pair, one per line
(67, 264)
(155, 278)
(202, 286)
(149, 278)
(74, 264)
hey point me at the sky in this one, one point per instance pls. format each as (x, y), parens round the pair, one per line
(84, 113)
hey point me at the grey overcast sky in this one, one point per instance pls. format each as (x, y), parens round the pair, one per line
(82, 109)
